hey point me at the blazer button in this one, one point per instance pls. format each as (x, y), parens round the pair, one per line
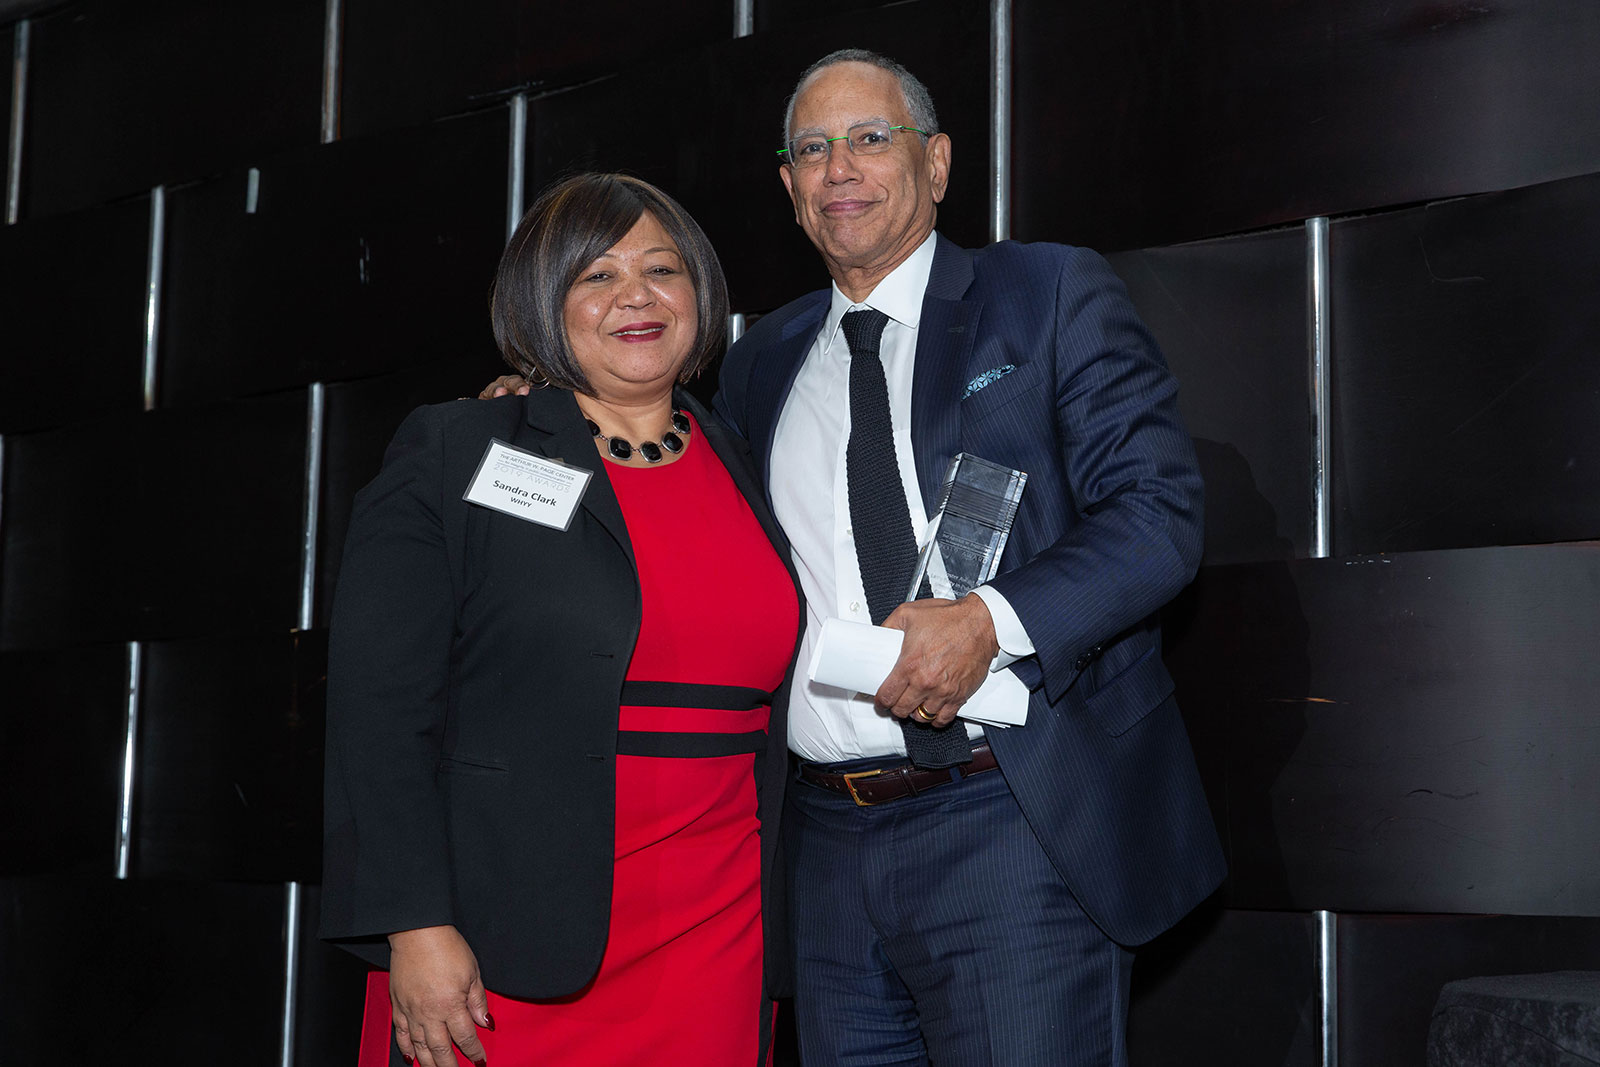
(1083, 661)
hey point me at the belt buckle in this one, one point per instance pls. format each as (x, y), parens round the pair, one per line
(850, 784)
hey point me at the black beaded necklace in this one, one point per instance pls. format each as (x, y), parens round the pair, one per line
(671, 441)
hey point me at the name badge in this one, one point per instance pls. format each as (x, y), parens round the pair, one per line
(531, 487)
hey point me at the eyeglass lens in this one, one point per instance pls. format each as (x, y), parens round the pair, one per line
(864, 138)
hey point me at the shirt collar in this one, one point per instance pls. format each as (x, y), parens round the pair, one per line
(898, 296)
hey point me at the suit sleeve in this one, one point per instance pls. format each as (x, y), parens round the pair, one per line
(386, 854)
(1132, 474)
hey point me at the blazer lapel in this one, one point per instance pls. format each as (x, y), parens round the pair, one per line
(560, 432)
(944, 342)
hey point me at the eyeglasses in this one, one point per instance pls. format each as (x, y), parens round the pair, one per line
(864, 139)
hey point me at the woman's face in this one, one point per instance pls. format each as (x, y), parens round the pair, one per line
(630, 316)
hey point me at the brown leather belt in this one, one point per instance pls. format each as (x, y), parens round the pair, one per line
(883, 784)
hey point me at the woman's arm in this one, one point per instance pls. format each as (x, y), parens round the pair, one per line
(385, 846)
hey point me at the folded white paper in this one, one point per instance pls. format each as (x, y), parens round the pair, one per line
(858, 657)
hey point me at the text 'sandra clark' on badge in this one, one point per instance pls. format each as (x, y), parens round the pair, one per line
(530, 487)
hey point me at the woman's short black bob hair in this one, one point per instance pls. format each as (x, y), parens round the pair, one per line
(573, 222)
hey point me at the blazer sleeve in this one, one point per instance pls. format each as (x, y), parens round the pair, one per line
(386, 856)
(1136, 536)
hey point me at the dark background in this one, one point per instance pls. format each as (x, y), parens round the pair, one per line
(1404, 734)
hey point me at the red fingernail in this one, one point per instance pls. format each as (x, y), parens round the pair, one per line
(488, 1021)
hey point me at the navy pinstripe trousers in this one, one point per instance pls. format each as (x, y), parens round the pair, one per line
(934, 930)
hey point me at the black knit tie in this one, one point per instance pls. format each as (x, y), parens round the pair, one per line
(886, 547)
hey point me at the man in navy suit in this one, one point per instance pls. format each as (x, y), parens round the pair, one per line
(974, 908)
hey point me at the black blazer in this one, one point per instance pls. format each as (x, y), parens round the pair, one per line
(476, 664)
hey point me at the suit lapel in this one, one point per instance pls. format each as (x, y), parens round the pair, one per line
(944, 342)
(772, 377)
(557, 430)
(736, 459)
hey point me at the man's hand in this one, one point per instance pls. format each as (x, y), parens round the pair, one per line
(948, 647)
(437, 996)
(505, 385)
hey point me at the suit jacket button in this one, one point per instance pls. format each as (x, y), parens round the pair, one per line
(1083, 661)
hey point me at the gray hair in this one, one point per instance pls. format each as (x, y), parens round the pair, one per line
(918, 102)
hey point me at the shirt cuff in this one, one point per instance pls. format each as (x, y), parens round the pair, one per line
(1009, 632)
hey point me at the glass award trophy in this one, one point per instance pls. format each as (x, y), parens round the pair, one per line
(962, 547)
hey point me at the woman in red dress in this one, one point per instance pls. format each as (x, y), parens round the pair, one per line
(557, 667)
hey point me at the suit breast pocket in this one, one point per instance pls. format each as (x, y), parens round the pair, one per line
(1001, 393)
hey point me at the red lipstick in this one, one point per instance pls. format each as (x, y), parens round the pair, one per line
(636, 332)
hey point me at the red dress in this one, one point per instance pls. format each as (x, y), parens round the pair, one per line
(681, 977)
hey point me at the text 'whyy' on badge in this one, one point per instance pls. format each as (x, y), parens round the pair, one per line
(517, 482)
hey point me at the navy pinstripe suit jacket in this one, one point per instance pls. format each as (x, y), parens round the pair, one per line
(1109, 530)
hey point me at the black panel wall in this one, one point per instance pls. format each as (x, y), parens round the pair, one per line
(1467, 383)
(65, 714)
(10, 45)
(229, 777)
(478, 53)
(110, 526)
(1401, 734)
(1164, 121)
(73, 305)
(1412, 732)
(185, 971)
(358, 258)
(1230, 316)
(124, 96)
(1228, 989)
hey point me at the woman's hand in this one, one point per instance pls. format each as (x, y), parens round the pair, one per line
(505, 385)
(437, 996)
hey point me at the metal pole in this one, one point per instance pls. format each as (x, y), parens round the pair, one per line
(152, 296)
(129, 751)
(517, 163)
(332, 52)
(744, 17)
(735, 327)
(1318, 335)
(1000, 118)
(19, 111)
(291, 971)
(315, 404)
(1328, 984)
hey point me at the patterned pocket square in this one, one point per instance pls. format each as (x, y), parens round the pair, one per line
(988, 378)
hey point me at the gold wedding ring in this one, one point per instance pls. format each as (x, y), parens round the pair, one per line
(922, 713)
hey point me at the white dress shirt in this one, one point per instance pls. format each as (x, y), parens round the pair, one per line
(811, 500)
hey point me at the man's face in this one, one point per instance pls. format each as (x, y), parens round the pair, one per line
(865, 213)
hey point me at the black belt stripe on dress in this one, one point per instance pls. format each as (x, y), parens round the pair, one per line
(691, 695)
(689, 746)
